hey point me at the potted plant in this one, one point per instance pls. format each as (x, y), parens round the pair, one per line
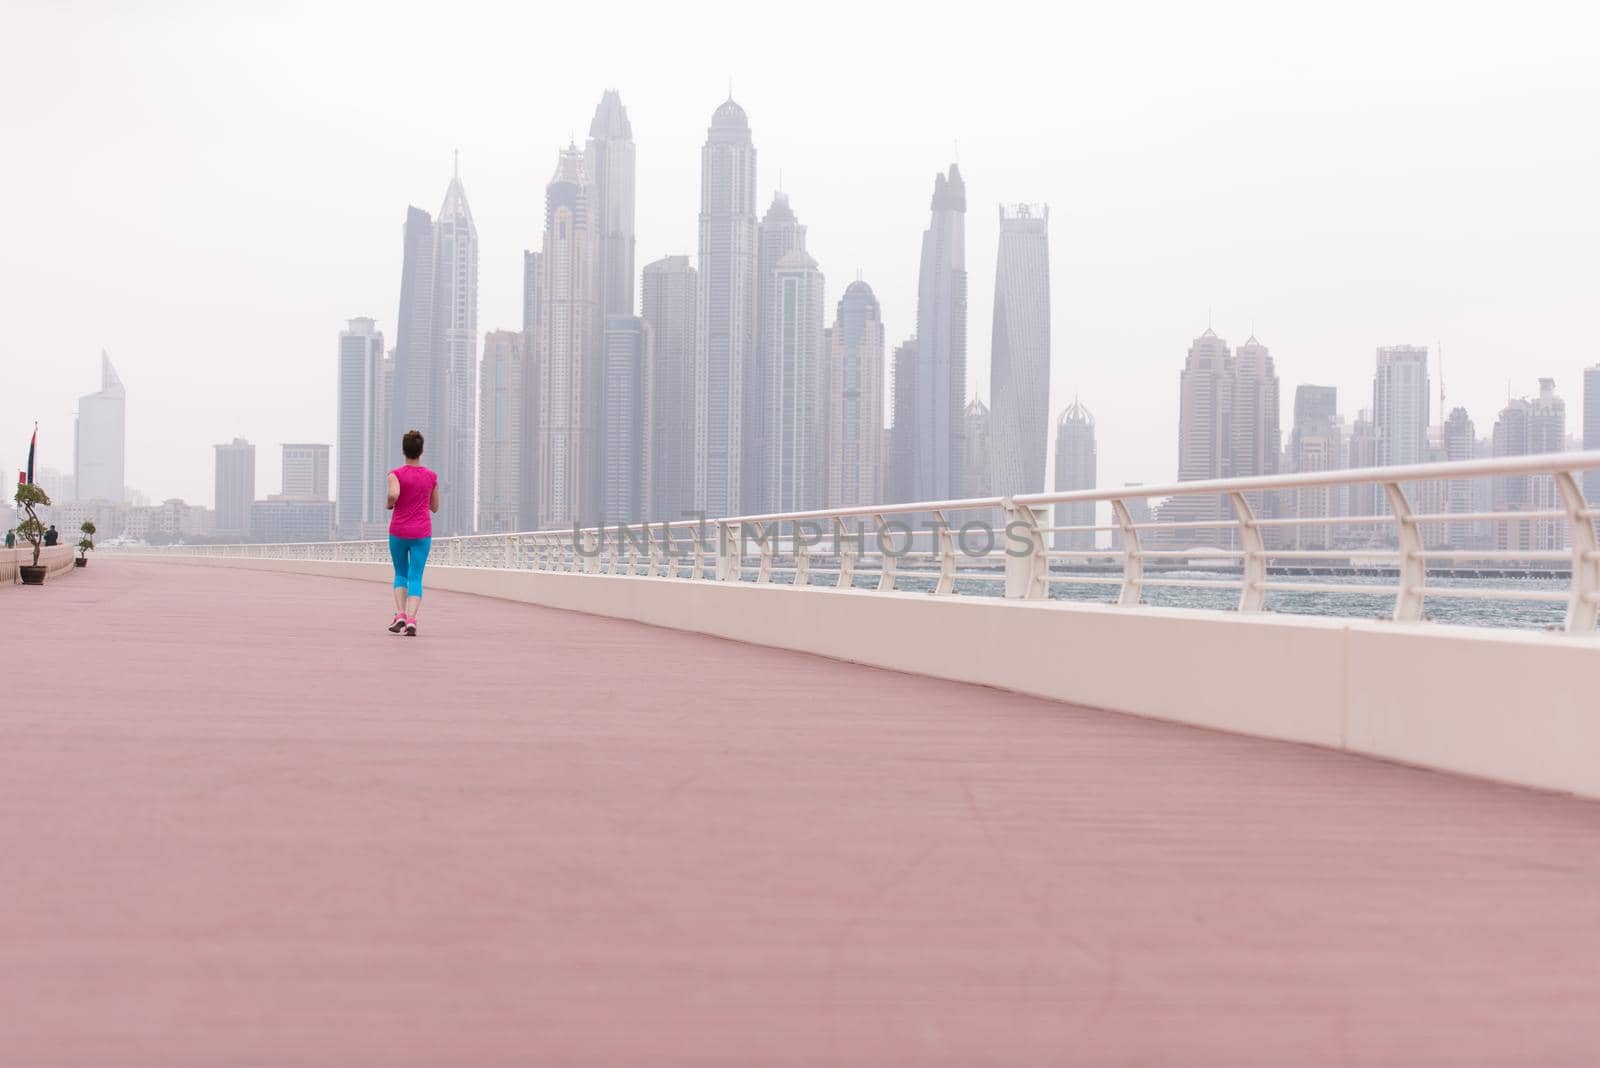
(85, 543)
(31, 530)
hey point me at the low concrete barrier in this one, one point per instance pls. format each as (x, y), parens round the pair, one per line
(1512, 706)
(57, 558)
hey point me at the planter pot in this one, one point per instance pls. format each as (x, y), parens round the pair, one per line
(33, 576)
(81, 561)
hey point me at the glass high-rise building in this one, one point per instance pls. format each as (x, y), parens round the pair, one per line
(1591, 431)
(726, 313)
(500, 396)
(530, 470)
(900, 474)
(1400, 405)
(938, 453)
(626, 432)
(609, 162)
(235, 487)
(976, 470)
(305, 472)
(455, 322)
(1075, 470)
(855, 377)
(778, 234)
(1529, 427)
(100, 439)
(436, 351)
(362, 442)
(568, 368)
(669, 305)
(795, 423)
(1205, 437)
(1019, 368)
(414, 403)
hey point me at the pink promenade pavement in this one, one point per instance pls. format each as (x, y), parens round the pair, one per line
(240, 824)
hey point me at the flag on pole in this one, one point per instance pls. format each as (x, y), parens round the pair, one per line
(32, 444)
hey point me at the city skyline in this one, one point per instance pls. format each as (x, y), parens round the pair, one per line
(1118, 304)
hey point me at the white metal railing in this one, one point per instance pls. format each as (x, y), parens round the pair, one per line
(1229, 537)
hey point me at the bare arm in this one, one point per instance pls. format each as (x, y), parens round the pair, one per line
(394, 492)
(433, 501)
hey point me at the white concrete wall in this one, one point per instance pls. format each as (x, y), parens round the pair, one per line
(57, 558)
(1518, 707)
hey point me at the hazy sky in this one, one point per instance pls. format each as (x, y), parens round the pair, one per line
(209, 190)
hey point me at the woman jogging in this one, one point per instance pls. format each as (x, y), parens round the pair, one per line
(413, 494)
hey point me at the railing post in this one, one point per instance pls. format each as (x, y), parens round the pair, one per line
(1132, 592)
(947, 556)
(1413, 566)
(1584, 606)
(618, 552)
(728, 554)
(802, 557)
(764, 540)
(1252, 591)
(846, 548)
(593, 543)
(697, 536)
(1027, 570)
(887, 556)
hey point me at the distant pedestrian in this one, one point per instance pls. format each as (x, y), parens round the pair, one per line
(413, 497)
(50, 536)
(11, 539)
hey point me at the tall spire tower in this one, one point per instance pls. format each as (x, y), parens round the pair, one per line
(1019, 367)
(937, 448)
(725, 346)
(455, 344)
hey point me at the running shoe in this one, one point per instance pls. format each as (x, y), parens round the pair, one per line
(411, 628)
(398, 624)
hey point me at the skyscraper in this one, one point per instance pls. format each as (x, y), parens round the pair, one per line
(726, 313)
(235, 486)
(669, 305)
(1362, 452)
(1400, 405)
(101, 435)
(1257, 440)
(436, 350)
(1460, 440)
(1313, 406)
(938, 452)
(609, 166)
(413, 352)
(901, 461)
(455, 322)
(1019, 368)
(568, 372)
(626, 431)
(1591, 431)
(609, 163)
(975, 474)
(1528, 428)
(1205, 435)
(362, 439)
(854, 448)
(500, 400)
(1315, 445)
(795, 423)
(778, 234)
(305, 472)
(1075, 470)
(530, 469)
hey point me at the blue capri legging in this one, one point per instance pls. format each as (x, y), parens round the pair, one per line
(410, 556)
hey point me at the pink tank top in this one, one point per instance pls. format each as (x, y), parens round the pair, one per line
(411, 517)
